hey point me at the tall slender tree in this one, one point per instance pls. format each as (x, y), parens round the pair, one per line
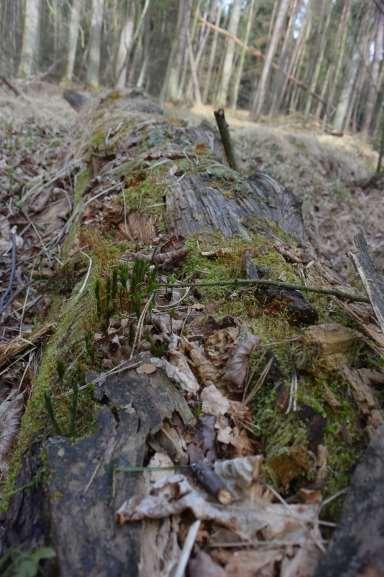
(93, 68)
(227, 70)
(31, 38)
(276, 35)
(125, 45)
(73, 35)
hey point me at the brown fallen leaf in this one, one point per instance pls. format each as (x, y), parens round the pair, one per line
(237, 367)
(214, 402)
(254, 563)
(146, 369)
(204, 368)
(183, 377)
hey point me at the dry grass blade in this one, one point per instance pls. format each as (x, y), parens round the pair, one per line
(259, 383)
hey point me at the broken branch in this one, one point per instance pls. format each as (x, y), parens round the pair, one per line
(343, 295)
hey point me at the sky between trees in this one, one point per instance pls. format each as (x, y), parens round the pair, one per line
(320, 59)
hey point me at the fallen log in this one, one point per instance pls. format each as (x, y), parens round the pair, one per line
(122, 371)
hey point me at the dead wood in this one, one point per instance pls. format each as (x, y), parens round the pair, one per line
(357, 547)
(20, 344)
(372, 280)
(87, 478)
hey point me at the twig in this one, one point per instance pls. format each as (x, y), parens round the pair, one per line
(187, 549)
(264, 282)
(223, 127)
(11, 87)
(5, 299)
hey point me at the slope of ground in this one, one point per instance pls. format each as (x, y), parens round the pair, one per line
(318, 168)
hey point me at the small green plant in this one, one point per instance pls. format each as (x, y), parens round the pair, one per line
(51, 412)
(142, 284)
(60, 371)
(127, 288)
(73, 410)
(89, 349)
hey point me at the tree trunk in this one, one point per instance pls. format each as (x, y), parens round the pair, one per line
(73, 34)
(340, 49)
(31, 38)
(373, 77)
(212, 55)
(222, 95)
(272, 47)
(324, 40)
(240, 67)
(124, 48)
(93, 69)
(179, 54)
(346, 95)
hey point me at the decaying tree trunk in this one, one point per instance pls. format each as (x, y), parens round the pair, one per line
(69, 489)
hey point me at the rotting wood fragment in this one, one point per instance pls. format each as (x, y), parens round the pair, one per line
(357, 547)
(372, 280)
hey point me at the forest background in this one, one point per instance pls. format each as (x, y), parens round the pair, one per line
(317, 59)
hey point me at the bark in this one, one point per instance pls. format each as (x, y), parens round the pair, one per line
(124, 48)
(73, 34)
(240, 67)
(324, 39)
(212, 54)
(93, 68)
(284, 59)
(179, 54)
(374, 75)
(31, 38)
(263, 84)
(339, 50)
(346, 95)
(222, 96)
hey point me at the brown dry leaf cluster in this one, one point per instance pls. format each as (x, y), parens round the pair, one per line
(252, 534)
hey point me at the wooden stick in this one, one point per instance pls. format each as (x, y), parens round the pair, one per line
(9, 85)
(263, 282)
(223, 127)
